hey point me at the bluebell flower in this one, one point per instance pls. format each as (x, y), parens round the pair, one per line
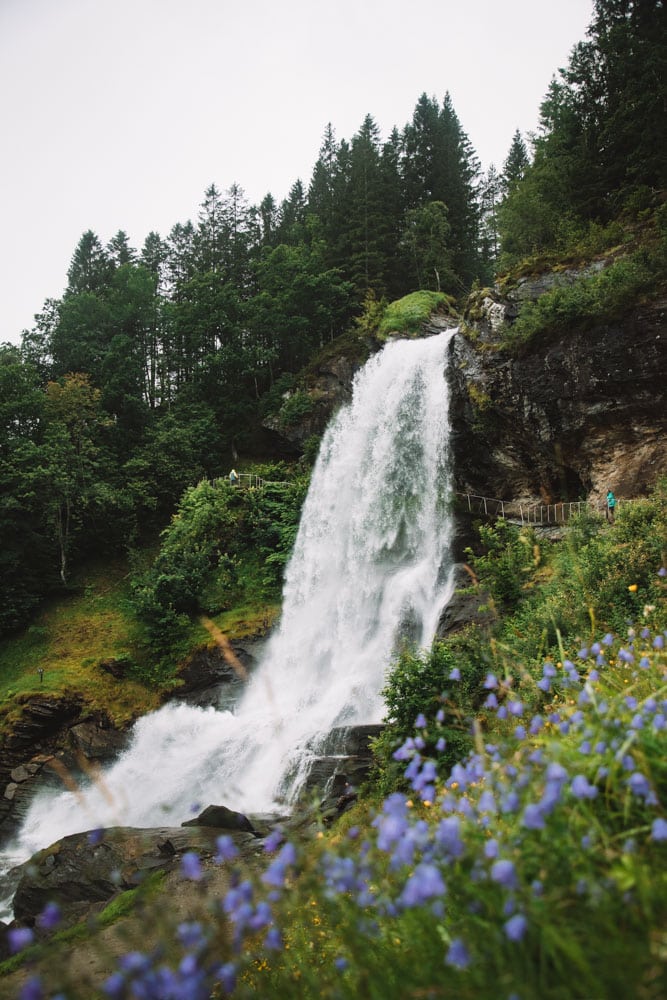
(510, 802)
(515, 927)
(581, 788)
(420, 721)
(425, 883)
(491, 701)
(19, 938)
(276, 873)
(458, 776)
(658, 642)
(662, 571)
(226, 974)
(487, 802)
(536, 724)
(466, 809)
(191, 934)
(504, 873)
(491, 681)
(639, 785)
(227, 849)
(659, 829)
(341, 963)
(544, 684)
(458, 955)
(448, 836)
(262, 917)
(441, 744)
(191, 867)
(134, 962)
(114, 985)
(533, 816)
(491, 848)
(32, 989)
(608, 639)
(50, 917)
(555, 772)
(455, 674)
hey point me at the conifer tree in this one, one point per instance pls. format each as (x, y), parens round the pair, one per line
(90, 268)
(516, 164)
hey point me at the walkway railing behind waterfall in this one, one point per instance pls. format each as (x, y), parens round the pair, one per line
(511, 510)
(525, 513)
(246, 480)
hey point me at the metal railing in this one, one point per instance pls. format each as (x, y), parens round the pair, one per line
(526, 513)
(513, 510)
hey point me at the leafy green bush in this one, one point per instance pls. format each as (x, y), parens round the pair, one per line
(297, 406)
(222, 548)
(445, 682)
(510, 554)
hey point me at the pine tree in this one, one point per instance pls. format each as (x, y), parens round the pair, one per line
(291, 228)
(367, 222)
(516, 164)
(490, 197)
(90, 268)
(119, 250)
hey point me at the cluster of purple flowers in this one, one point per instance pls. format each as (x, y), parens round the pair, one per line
(560, 747)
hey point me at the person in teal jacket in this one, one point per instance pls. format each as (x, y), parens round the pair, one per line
(611, 506)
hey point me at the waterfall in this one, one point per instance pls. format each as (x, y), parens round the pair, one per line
(370, 569)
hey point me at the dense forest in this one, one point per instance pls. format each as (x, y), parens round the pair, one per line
(155, 368)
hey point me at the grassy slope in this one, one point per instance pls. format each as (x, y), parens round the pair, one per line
(67, 640)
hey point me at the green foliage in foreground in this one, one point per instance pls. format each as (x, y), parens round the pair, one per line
(408, 315)
(539, 596)
(534, 868)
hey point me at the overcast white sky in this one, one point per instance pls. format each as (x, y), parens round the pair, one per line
(118, 114)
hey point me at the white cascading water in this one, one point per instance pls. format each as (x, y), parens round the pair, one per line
(370, 567)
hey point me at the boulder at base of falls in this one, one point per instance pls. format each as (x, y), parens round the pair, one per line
(343, 765)
(82, 872)
(222, 818)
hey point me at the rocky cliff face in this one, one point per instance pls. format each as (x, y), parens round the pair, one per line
(570, 417)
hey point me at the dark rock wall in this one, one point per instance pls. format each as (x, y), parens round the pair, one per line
(570, 417)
